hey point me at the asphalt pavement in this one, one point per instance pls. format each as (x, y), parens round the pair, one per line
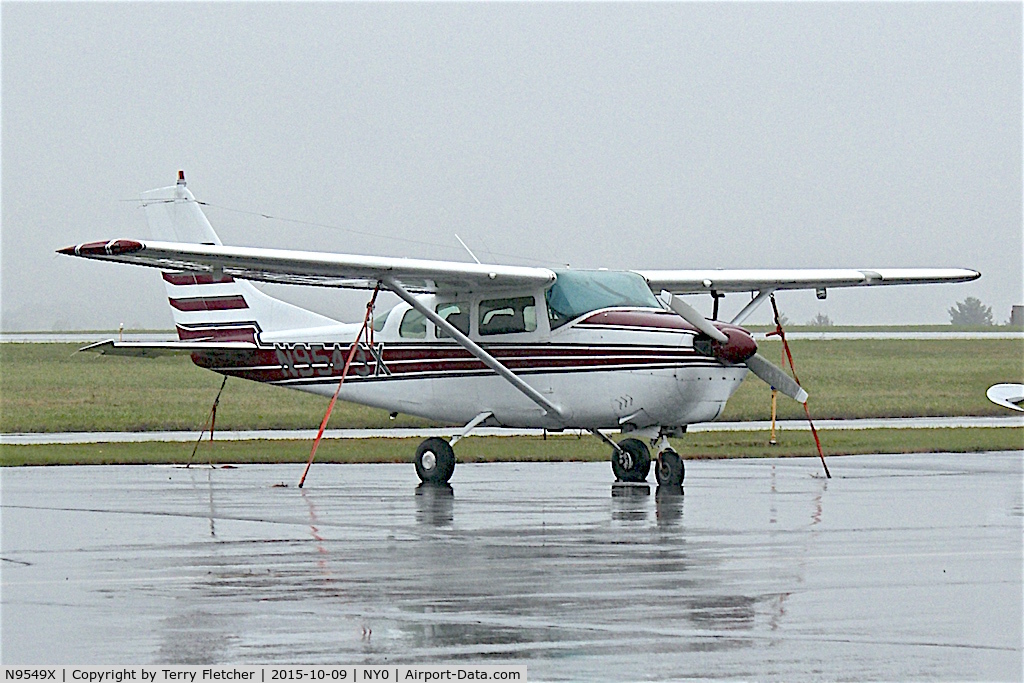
(897, 568)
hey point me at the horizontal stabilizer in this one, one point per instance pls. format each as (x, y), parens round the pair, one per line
(1007, 395)
(170, 348)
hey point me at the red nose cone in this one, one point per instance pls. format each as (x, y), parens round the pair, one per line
(740, 346)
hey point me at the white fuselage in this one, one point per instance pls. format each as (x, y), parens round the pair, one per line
(629, 368)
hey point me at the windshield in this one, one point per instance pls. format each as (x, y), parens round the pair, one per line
(576, 292)
(379, 319)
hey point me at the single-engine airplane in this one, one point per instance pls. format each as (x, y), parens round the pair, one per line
(475, 344)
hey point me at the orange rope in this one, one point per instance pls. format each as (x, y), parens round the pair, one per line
(344, 373)
(779, 332)
(211, 421)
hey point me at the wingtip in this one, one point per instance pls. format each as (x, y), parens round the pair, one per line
(100, 249)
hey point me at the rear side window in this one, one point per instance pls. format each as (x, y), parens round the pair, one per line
(508, 316)
(456, 313)
(414, 325)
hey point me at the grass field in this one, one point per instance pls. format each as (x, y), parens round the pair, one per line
(888, 378)
(50, 388)
(704, 445)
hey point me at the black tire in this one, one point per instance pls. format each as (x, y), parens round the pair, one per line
(633, 463)
(669, 469)
(435, 461)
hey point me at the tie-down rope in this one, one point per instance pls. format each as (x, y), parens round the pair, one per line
(779, 332)
(344, 373)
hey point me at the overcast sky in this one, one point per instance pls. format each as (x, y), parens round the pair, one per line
(664, 135)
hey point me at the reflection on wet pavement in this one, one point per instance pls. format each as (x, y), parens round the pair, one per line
(899, 567)
(435, 504)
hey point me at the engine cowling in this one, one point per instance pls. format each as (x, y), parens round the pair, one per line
(740, 347)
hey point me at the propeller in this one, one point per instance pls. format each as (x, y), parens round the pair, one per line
(763, 368)
(692, 316)
(776, 377)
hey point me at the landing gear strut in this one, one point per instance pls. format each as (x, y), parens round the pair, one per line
(435, 461)
(631, 459)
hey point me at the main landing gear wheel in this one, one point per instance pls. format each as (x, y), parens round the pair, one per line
(435, 461)
(633, 462)
(669, 469)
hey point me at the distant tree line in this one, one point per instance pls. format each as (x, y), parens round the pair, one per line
(971, 311)
(967, 313)
(820, 320)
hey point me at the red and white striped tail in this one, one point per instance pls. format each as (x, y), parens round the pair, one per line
(209, 306)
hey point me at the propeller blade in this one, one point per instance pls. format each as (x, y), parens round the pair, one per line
(692, 316)
(776, 377)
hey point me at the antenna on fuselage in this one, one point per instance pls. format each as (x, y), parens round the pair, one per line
(467, 248)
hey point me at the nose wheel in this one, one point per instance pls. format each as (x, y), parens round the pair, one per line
(435, 461)
(669, 469)
(631, 460)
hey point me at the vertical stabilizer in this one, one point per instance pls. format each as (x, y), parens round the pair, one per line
(174, 215)
(214, 306)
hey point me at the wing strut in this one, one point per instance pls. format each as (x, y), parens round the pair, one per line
(752, 306)
(487, 359)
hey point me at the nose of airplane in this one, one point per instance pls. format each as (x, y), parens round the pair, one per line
(738, 348)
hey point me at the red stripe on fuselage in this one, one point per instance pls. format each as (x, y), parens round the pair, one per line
(654, 320)
(315, 361)
(650, 320)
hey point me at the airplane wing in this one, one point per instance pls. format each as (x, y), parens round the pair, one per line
(698, 281)
(322, 269)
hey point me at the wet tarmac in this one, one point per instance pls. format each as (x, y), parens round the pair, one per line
(898, 568)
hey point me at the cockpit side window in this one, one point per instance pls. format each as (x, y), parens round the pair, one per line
(456, 313)
(414, 325)
(508, 316)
